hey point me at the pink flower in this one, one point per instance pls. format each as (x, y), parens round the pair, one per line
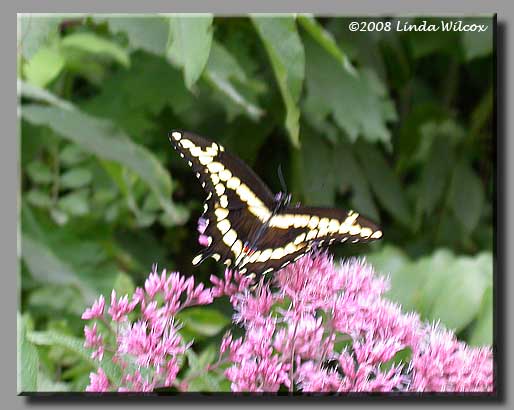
(97, 310)
(293, 331)
(120, 308)
(233, 283)
(315, 327)
(154, 283)
(94, 340)
(442, 363)
(98, 382)
(148, 350)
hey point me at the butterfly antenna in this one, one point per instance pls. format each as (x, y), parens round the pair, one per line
(281, 178)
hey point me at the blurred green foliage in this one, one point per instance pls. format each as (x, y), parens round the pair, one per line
(395, 125)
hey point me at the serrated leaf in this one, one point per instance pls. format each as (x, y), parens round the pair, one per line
(325, 40)
(76, 178)
(44, 66)
(221, 71)
(466, 196)
(191, 39)
(27, 358)
(34, 31)
(203, 321)
(359, 104)
(285, 51)
(76, 345)
(94, 44)
(133, 98)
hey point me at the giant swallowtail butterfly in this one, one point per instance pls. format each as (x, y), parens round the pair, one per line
(248, 228)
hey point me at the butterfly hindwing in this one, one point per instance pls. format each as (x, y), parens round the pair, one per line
(245, 228)
(321, 224)
(295, 231)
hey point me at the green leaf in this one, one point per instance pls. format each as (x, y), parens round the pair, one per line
(39, 172)
(147, 33)
(435, 175)
(133, 98)
(482, 332)
(287, 56)
(476, 43)
(47, 267)
(34, 31)
(205, 381)
(46, 385)
(425, 43)
(59, 217)
(384, 183)
(76, 346)
(325, 40)
(466, 196)
(75, 203)
(44, 66)
(458, 301)
(39, 198)
(76, 178)
(72, 154)
(28, 360)
(317, 172)
(105, 140)
(94, 44)
(36, 93)
(223, 73)
(353, 177)
(388, 260)
(69, 300)
(191, 38)
(359, 105)
(123, 284)
(203, 321)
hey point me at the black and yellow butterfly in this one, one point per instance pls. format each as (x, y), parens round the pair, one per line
(249, 228)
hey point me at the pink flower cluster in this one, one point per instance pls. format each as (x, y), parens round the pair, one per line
(317, 327)
(146, 350)
(312, 327)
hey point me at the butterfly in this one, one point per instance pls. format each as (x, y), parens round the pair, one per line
(247, 227)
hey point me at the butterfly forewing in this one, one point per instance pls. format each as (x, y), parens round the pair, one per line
(238, 202)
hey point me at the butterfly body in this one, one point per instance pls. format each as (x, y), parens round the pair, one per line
(246, 226)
